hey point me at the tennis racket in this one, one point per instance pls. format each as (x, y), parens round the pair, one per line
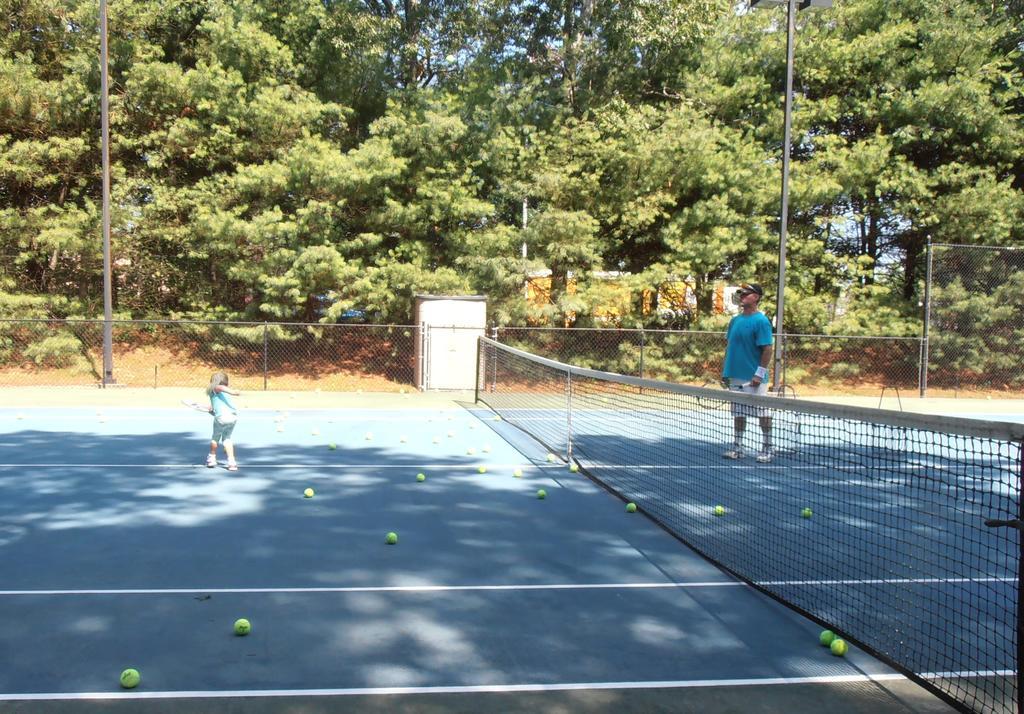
(196, 405)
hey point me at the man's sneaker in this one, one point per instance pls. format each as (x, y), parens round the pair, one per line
(232, 466)
(734, 453)
(764, 456)
(211, 461)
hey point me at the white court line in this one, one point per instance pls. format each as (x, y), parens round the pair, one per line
(498, 588)
(496, 688)
(244, 466)
(383, 589)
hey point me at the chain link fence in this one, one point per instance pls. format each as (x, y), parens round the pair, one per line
(974, 319)
(815, 364)
(263, 356)
(382, 358)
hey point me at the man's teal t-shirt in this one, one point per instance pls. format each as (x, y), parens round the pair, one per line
(746, 336)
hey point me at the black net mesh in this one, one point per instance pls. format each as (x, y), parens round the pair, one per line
(894, 551)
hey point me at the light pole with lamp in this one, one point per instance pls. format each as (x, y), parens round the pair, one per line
(778, 362)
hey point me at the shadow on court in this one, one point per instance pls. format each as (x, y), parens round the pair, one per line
(146, 558)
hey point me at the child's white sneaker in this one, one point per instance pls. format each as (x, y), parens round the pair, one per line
(232, 466)
(211, 461)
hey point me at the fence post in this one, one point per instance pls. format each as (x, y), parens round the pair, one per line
(922, 379)
(264, 356)
(643, 341)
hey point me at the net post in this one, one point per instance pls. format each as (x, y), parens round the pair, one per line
(568, 415)
(476, 379)
(1020, 579)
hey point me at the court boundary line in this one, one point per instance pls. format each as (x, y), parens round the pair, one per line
(244, 466)
(487, 688)
(342, 589)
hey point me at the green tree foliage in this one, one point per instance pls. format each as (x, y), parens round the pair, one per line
(299, 161)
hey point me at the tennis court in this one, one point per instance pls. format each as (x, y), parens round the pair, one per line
(119, 549)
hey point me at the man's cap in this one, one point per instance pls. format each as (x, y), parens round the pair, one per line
(752, 288)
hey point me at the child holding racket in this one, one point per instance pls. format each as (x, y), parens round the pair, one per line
(225, 414)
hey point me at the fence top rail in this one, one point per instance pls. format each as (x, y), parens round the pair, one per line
(972, 428)
(228, 323)
(978, 247)
(719, 333)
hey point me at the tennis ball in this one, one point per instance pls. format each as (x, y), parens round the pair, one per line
(308, 493)
(332, 446)
(719, 510)
(369, 436)
(130, 678)
(471, 451)
(551, 458)
(391, 538)
(242, 627)
(542, 494)
(807, 513)
(518, 473)
(630, 508)
(826, 637)
(421, 477)
(482, 469)
(838, 647)
(497, 418)
(574, 467)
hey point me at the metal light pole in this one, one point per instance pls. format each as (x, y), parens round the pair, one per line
(108, 351)
(778, 361)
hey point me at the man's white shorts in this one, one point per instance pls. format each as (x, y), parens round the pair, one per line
(744, 386)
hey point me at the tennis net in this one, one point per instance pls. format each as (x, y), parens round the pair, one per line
(910, 547)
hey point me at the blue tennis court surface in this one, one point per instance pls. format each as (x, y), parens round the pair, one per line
(119, 549)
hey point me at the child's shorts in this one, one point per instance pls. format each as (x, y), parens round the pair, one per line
(222, 429)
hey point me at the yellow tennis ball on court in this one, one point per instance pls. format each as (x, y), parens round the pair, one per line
(518, 473)
(807, 513)
(719, 510)
(551, 458)
(391, 538)
(497, 418)
(838, 647)
(242, 627)
(308, 493)
(630, 508)
(421, 477)
(332, 446)
(130, 678)
(542, 494)
(574, 467)
(826, 637)
(482, 469)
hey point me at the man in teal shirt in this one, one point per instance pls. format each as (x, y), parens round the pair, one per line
(747, 354)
